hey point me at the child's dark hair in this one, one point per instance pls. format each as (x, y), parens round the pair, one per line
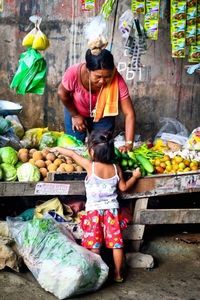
(102, 143)
(98, 62)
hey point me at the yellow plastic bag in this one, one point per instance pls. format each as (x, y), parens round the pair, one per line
(52, 204)
(32, 137)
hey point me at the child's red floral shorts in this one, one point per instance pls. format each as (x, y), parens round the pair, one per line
(100, 226)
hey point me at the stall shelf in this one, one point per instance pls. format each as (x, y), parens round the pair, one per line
(145, 188)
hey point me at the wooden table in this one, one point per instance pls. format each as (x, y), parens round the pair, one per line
(145, 188)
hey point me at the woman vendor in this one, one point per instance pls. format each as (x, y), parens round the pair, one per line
(92, 94)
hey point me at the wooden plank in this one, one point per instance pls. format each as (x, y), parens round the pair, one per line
(9, 189)
(151, 186)
(170, 216)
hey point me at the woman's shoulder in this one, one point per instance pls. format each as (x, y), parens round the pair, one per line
(70, 77)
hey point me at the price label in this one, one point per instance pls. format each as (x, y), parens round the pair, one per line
(45, 188)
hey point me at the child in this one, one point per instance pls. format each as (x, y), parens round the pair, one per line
(103, 179)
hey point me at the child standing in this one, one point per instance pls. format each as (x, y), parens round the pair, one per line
(103, 180)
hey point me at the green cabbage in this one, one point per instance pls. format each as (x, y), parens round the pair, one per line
(67, 140)
(8, 155)
(49, 139)
(9, 172)
(28, 172)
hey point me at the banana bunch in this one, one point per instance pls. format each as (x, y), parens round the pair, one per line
(36, 39)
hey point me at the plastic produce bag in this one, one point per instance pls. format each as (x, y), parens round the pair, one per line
(61, 266)
(32, 137)
(170, 125)
(16, 125)
(193, 142)
(31, 73)
(49, 139)
(96, 34)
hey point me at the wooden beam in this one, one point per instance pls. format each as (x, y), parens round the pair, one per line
(170, 216)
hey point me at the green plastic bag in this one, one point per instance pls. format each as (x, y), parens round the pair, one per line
(30, 76)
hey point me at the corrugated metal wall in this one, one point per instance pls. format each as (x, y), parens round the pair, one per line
(164, 88)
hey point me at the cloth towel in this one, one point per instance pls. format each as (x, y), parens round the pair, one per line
(107, 101)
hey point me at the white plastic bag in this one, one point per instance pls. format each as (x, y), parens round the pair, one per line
(171, 125)
(96, 34)
(60, 265)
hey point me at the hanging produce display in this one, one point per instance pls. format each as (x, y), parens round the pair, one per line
(30, 76)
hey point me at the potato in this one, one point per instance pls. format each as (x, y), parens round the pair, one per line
(52, 167)
(43, 172)
(48, 162)
(79, 168)
(45, 152)
(50, 156)
(37, 155)
(57, 162)
(61, 169)
(23, 156)
(32, 161)
(31, 151)
(40, 163)
(69, 168)
(23, 150)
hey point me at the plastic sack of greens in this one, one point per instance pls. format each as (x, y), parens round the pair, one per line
(59, 264)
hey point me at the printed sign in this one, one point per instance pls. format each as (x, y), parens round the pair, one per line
(45, 188)
(191, 182)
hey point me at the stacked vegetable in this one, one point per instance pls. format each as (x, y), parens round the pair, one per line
(138, 157)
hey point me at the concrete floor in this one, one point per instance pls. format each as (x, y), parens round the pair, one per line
(176, 276)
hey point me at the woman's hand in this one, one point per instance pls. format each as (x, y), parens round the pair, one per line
(78, 123)
(126, 148)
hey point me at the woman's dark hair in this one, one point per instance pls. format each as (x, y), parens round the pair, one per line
(102, 143)
(98, 62)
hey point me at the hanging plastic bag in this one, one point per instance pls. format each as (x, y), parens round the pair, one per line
(96, 34)
(36, 38)
(61, 266)
(31, 73)
(107, 8)
(32, 137)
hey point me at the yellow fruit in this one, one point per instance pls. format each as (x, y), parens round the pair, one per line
(194, 168)
(175, 167)
(159, 170)
(186, 162)
(166, 158)
(168, 168)
(178, 159)
(181, 165)
(193, 164)
(168, 163)
(163, 165)
(40, 41)
(157, 162)
(28, 40)
(186, 170)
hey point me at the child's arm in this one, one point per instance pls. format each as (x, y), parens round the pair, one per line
(81, 161)
(125, 185)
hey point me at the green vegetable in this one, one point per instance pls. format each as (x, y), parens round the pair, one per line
(124, 163)
(118, 154)
(49, 139)
(67, 140)
(9, 172)
(146, 164)
(28, 172)
(8, 155)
